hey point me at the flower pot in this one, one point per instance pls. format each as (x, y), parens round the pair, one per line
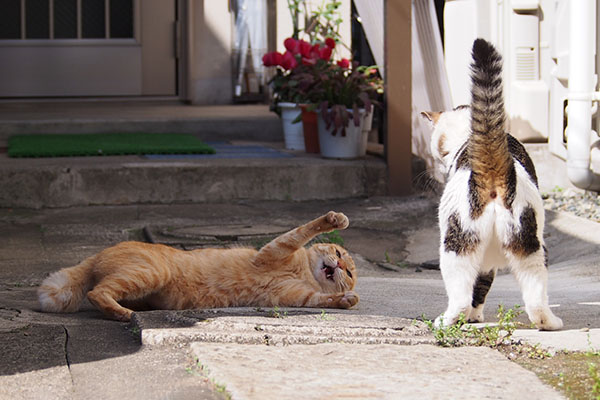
(353, 145)
(293, 134)
(311, 130)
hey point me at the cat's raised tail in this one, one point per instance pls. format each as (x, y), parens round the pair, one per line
(64, 290)
(487, 149)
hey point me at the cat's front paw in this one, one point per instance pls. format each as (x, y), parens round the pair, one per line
(337, 220)
(350, 299)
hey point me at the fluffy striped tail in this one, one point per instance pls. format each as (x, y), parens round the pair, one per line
(489, 156)
(64, 290)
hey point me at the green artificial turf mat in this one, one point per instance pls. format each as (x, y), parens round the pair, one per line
(97, 144)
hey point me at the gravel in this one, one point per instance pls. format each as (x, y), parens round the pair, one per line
(578, 202)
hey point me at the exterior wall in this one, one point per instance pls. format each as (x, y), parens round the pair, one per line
(209, 50)
(285, 27)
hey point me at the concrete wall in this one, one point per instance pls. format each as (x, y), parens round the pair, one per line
(210, 52)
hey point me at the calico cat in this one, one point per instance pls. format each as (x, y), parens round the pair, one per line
(153, 276)
(491, 213)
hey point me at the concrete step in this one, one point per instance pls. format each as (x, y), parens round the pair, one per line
(249, 171)
(239, 122)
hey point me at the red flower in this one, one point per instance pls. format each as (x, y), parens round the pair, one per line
(344, 63)
(314, 51)
(325, 53)
(272, 59)
(305, 48)
(330, 42)
(288, 61)
(291, 44)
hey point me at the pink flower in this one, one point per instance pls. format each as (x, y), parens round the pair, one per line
(325, 53)
(291, 44)
(330, 42)
(288, 61)
(343, 63)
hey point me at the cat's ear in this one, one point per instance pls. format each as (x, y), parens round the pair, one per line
(431, 116)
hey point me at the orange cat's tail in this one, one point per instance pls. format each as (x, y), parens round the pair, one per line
(64, 290)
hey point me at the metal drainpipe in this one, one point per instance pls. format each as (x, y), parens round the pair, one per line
(581, 94)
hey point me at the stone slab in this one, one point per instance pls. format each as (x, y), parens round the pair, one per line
(333, 371)
(276, 326)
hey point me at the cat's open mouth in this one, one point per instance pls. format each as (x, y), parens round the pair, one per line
(328, 271)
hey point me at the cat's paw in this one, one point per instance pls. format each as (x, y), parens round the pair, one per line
(337, 220)
(546, 321)
(350, 299)
(443, 322)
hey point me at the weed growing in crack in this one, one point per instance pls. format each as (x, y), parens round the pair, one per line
(594, 372)
(463, 334)
(276, 313)
(199, 369)
(326, 317)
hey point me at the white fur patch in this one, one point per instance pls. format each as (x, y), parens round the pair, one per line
(53, 294)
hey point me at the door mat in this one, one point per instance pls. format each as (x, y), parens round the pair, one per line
(104, 144)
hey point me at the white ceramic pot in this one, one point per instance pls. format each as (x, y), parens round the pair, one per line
(353, 145)
(293, 134)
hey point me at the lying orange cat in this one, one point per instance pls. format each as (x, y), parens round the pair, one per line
(154, 276)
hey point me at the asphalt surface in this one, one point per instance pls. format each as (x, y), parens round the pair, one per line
(374, 350)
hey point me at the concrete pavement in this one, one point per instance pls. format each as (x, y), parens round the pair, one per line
(374, 350)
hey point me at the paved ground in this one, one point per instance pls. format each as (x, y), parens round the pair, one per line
(191, 354)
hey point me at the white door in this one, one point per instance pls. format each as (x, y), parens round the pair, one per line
(60, 48)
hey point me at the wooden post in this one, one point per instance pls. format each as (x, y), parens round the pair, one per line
(398, 96)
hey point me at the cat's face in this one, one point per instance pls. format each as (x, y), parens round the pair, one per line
(450, 130)
(333, 268)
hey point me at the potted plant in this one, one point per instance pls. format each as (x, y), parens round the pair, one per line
(286, 97)
(321, 29)
(344, 95)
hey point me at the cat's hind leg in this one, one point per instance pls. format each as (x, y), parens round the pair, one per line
(532, 275)
(459, 279)
(107, 294)
(480, 290)
(105, 297)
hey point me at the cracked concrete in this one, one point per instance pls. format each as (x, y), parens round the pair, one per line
(82, 355)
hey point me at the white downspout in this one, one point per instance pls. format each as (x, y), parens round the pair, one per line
(582, 51)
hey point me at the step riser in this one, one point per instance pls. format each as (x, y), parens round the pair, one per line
(180, 182)
(257, 129)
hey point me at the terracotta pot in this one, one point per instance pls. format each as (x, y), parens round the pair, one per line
(311, 130)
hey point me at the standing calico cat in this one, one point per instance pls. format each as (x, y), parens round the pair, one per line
(491, 213)
(153, 276)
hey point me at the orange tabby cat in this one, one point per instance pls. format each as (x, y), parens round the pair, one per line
(154, 276)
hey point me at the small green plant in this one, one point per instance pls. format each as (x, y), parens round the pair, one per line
(595, 375)
(326, 317)
(537, 352)
(198, 369)
(331, 237)
(388, 259)
(276, 313)
(591, 351)
(463, 334)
